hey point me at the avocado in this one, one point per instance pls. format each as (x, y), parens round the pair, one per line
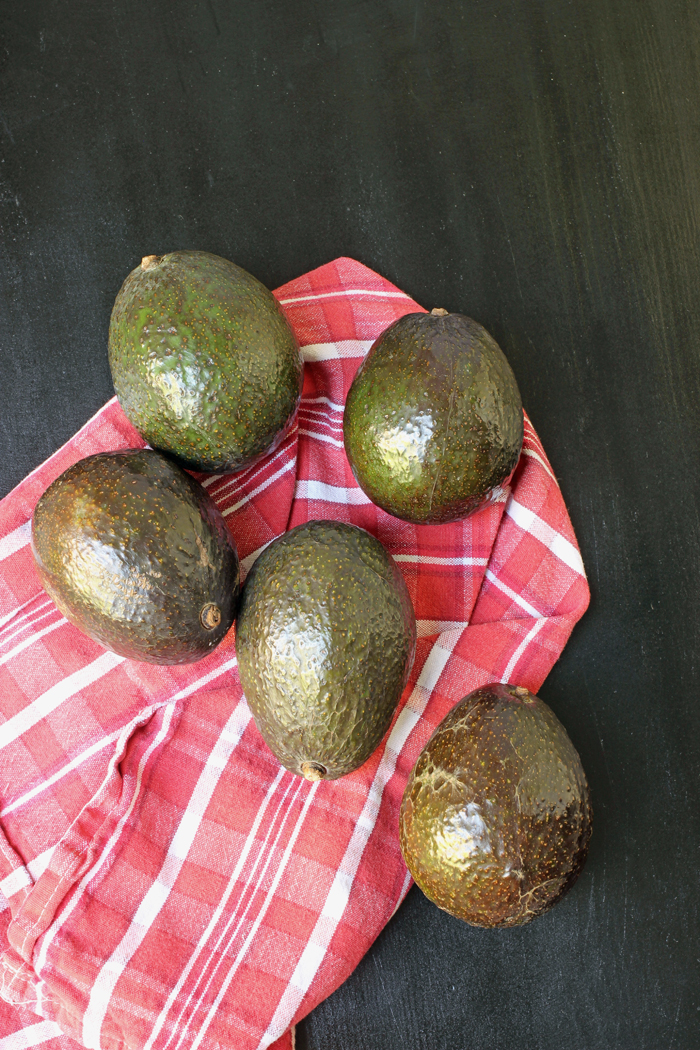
(433, 421)
(204, 362)
(135, 554)
(496, 816)
(325, 638)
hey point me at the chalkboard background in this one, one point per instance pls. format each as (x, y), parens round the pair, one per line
(535, 164)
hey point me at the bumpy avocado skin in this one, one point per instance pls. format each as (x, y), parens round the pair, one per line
(433, 420)
(496, 817)
(325, 638)
(135, 553)
(204, 362)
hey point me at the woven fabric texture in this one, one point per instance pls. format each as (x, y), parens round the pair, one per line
(167, 885)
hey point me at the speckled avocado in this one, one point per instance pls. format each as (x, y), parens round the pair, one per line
(135, 553)
(496, 816)
(433, 421)
(204, 362)
(325, 638)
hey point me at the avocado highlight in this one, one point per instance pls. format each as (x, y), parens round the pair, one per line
(433, 420)
(325, 638)
(496, 816)
(204, 362)
(135, 553)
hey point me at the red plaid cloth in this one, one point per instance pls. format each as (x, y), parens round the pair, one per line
(169, 884)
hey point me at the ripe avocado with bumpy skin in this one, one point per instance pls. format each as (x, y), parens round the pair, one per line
(496, 816)
(135, 553)
(204, 362)
(433, 421)
(325, 638)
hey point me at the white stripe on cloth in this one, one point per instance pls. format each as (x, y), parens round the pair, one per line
(199, 682)
(32, 1035)
(347, 292)
(63, 772)
(324, 407)
(322, 437)
(345, 348)
(322, 412)
(402, 893)
(258, 919)
(247, 562)
(201, 944)
(535, 455)
(329, 493)
(320, 418)
(11, 615)
(18, 724)
(428, 559)
(512, 663)
(339, 893)
(263, 852)
(38, 865)
(324, 400)
(159, 890)
(260, 488)
(513, 595)
(424, 628)
(64, 915)
(24, 876)
(100, 744)
(31, 639)
(15, 540)
(17, 880)
(7, 637)
(529, 522)
(243, 477)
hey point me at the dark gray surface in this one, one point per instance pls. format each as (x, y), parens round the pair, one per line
(535, 164)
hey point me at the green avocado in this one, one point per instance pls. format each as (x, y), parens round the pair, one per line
(496, 816)
(433, 421)
(325, 638)
(204, 362)
(135, 553)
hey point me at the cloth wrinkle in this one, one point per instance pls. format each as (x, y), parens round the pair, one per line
(224, 896)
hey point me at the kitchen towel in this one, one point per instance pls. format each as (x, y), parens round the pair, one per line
(166, 884)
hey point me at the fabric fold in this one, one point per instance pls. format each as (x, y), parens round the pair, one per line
(170, 887)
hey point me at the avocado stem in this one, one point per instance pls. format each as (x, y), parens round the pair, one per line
(523, 694)
(438, 311)
(149, 261)
(210, 616)
(313, 770)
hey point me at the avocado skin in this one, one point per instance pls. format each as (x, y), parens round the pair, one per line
(204, 362)
(496, 816)
(433, 421)
(131, 549)
(325, 637)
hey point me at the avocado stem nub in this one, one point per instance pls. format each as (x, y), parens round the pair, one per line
(149, 261)
(313, 770)
(210, 616)
(438, 311)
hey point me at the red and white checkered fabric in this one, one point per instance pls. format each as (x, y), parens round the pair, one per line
(167, 885)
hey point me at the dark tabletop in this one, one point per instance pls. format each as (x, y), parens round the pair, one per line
(536, 165)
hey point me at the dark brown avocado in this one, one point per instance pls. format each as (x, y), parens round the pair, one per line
(433, 421)
(204, 362)
(325, 638)
(496, 816)
(135, 553)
